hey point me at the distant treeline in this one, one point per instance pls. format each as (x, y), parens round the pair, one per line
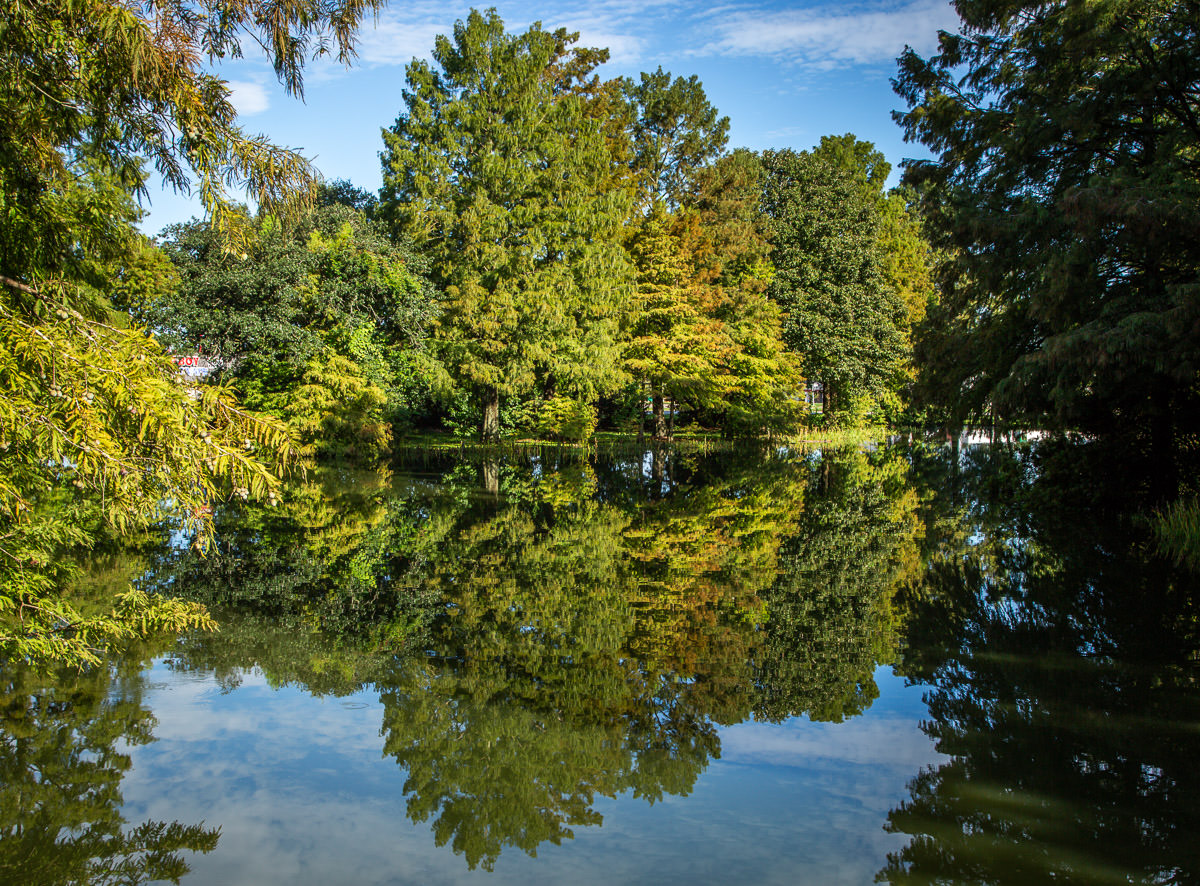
(550, 253)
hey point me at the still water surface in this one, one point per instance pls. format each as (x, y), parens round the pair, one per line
(902, 665)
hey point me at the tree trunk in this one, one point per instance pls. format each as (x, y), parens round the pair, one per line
(671, 420)
(660, 424)
(489, 427)
(489, 476)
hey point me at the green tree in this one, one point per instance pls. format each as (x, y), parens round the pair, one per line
(295, 287)
(672, 347)
(725, 238)
(500, 172)
(907, 256)
(670, 343)
(841, 316)
(729, 240)
(907, 259)
(702, 332)
(1065, 190)
(97, 430)
(321, 323)
(88, 91)
(675, 132)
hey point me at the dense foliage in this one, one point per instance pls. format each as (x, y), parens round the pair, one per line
(93, 416)
(501, 174)
(321, 324)
(1065, 191)
(843, 316)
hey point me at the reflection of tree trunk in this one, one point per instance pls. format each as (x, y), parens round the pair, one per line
(489, 428)
(657, 459)
(641, 412)
(489, 475)
(660, 424)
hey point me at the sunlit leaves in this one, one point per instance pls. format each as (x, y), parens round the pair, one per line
(505, 177)
(88, 90)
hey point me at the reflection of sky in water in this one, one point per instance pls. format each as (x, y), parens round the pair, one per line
(302, 794)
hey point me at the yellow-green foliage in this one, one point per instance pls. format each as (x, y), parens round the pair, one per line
(1178, 530)
(562, 418)
(338, 412)
(90, 413)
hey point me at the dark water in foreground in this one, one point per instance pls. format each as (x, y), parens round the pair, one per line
(824, 667)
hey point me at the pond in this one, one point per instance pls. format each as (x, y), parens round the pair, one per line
(901, 664)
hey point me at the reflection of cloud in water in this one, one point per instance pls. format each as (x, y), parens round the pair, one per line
(302, 795)
(889, 742)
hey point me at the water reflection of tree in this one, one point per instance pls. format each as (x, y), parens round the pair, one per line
(61, 767)
(1062, 657)
(318, 591)
(581, 631)
(703, 554)
(531, 706)
(831, 620)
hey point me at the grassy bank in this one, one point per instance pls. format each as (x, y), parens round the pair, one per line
(691, 441)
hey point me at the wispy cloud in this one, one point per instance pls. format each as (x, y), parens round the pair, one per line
(406, 31)
(249, 97)
(397, 41)
(832, 35)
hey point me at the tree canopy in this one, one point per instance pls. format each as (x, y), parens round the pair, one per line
(842, 316)
(1065, 190)
(675, 131)
(497, 169)
(321, 323)
(91, 409)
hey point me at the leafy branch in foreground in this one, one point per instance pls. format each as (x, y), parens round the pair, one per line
(93, 417)
(96, 427)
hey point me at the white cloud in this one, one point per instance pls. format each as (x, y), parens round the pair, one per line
(402, 32)
(833, 36)
(397, 41)
(248, 97)
(890, 742)
(624, 48)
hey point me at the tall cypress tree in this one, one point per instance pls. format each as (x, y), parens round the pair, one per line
(500, 172)
(1066, 188)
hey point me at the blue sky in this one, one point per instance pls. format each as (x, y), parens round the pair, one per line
(785, 73)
